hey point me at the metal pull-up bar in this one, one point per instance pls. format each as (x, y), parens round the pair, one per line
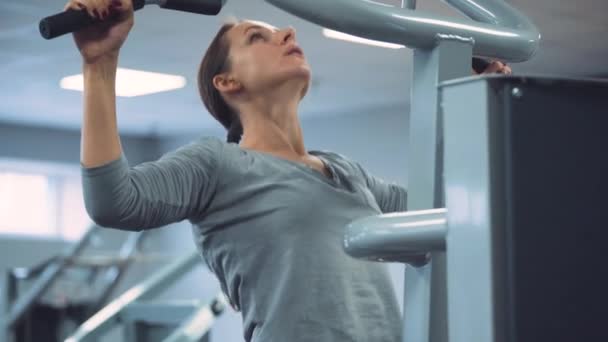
(500, 31)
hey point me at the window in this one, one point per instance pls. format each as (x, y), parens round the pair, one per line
(42, 200)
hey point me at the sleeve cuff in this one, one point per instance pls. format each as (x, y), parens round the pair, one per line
(112, 166)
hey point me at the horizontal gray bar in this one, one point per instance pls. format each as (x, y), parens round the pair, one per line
(404, 237)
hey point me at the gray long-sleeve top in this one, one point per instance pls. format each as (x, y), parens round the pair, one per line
(270, 229)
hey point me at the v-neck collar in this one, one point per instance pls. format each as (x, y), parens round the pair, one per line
(332, 179)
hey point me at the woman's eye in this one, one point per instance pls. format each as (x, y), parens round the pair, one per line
(255, 37)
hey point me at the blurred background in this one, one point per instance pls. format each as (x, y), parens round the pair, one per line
(358, 105)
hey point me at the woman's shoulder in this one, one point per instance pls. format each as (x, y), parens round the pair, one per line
(336, 157)
(342, 161)
(204, 151)
(201, 146)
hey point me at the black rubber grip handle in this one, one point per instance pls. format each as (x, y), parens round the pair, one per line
(208, 7)
(71, 20)
(480, 64)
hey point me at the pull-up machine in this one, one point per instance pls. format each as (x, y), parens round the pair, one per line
(443, 48)
(506, 229)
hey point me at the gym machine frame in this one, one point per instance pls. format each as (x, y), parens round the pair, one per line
(443, 49)
(46, 273)
(196, 317)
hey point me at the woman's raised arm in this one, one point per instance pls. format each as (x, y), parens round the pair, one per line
(178, 186)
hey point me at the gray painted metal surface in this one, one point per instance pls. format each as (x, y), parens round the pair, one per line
(503, 32)
(404, 237)
(525, 162)
(448, 60)
(468, 191)
(105, 319)
(8, 291)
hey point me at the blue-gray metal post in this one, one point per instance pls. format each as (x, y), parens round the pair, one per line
(475, 209)
(409, 4)
(425, 317)
(7, 289)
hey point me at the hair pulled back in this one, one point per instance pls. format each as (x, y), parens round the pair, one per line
(215, 62)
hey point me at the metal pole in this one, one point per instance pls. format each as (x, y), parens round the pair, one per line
(9, 290)
(409, 4)
(425, 320)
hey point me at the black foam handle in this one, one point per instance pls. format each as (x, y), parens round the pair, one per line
(71, 20)
(208, 7)
(480, 64)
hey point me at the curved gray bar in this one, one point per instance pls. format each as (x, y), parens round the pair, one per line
(403, 237)
(503, 32)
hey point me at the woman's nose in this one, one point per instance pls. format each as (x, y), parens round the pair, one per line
(287, 35)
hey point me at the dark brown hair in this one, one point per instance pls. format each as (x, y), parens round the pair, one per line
(215, 62)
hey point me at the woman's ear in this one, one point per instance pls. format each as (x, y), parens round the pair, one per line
(226, 83)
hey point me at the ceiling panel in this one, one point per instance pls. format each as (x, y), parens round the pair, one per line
(346, 77)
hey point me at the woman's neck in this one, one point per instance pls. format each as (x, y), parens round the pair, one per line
(273, 127)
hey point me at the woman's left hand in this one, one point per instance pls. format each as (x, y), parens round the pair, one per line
(496, 67)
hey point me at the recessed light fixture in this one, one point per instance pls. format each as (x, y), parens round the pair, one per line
(347, 37)
(130, 83)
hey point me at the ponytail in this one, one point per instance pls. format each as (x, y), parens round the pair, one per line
(235, 131)
(214, 62)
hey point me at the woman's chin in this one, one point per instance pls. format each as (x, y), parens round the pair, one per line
(293, 72)
(302, 70)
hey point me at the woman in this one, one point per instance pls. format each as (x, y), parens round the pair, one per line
(268, 215)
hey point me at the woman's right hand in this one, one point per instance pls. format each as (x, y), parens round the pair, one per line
(104, 38)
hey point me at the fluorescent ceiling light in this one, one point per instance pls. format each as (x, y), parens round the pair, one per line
(343, 36)
(131, 82)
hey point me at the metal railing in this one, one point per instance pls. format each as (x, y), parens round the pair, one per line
(45, 275)
(107, 317)
(51, 271)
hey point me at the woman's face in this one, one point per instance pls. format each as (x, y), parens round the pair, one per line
(263, 57)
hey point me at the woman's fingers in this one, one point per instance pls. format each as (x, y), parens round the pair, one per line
(99, 9)
(74, 5)
(498, 67)
(494, 67)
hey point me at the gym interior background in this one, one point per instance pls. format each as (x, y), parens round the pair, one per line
(357, 105)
